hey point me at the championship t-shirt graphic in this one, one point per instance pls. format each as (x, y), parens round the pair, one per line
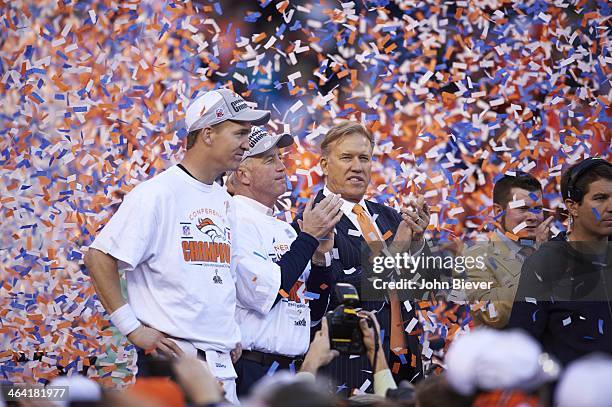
(205, 241)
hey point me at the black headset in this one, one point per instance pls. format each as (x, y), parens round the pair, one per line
(573, 192)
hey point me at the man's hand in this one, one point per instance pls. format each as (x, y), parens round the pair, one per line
(319, 354)
(197, 381)
(542, 232)
(152, 340)
(410, 232)
(236, 353)
(320, 219)
(369, 341)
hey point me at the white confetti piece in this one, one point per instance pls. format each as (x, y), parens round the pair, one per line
(270, 42)
(491, 310)
(365, 385)
(292, 77)
(455, 211)
(353, 232)
(519, 227)
(516, 204)
(567, 321)
(296, 106)
(411, 325)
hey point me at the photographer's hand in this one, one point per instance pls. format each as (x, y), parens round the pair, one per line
(319, 354)
(369, 341)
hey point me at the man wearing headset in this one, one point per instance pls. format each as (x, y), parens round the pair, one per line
(564, 293)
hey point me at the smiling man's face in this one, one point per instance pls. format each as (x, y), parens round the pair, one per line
(348, 166)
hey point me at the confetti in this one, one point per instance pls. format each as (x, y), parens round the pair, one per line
(272, 368)
(95, 89)
(413, 322)
(516, 204)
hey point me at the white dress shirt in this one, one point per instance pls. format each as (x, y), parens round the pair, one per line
(282, 328)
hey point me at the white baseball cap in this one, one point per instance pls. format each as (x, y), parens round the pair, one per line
(261, 141)
(487, 359)
(219, 105)
(586, 382)
(80, 388)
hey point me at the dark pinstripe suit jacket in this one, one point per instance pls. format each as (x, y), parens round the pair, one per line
(353, 372)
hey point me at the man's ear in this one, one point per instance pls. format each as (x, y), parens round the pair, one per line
(323, 163)
(497, 209)
(243, 175)
(206, 135)
(572, 207)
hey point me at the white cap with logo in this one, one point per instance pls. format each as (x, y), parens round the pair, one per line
(216, 106)
(261, 141)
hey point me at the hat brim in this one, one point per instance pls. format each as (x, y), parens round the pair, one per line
(278, 140)
(253, 116)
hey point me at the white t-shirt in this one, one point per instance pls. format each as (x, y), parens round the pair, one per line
(173, 236)
(285, 328)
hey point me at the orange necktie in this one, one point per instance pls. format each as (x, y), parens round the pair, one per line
(370, 235)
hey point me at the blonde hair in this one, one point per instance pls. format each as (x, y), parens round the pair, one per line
(342, 130)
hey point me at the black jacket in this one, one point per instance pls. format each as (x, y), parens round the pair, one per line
(348, 269)
(563, 300)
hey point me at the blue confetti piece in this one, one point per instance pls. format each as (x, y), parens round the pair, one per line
(596, 213)
(252, 17)
(28, 52)
(218, 9)
(533, 196)
(260, 255)
(292, 367)
(600, 326)
(296, 26)
(163, 30)
(402, 358)
(311, 296)
(272, 369)
(37, 97)
(533, 316)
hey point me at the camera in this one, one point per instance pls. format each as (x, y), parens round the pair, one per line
(345, 335)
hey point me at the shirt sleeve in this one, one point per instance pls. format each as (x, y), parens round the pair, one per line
(258, 278)
(383, 381)
(129, 235)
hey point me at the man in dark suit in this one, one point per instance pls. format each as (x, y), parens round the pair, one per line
(346, 162)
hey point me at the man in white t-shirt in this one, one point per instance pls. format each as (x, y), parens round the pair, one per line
(174, 237)
(274, 262)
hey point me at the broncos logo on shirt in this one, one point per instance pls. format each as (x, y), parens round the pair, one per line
(214, 232)
(216, 248)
